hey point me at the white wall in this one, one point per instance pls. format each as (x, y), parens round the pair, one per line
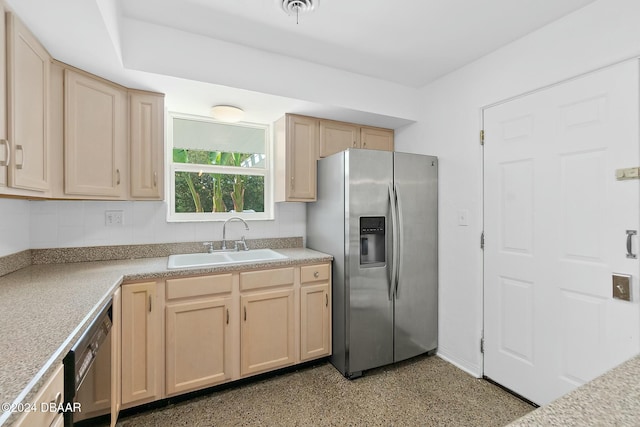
(14, 226)
(605, 32)
(159, 49)
(59, 224)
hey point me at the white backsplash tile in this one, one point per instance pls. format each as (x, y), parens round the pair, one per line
(14, 226)
(54, 223)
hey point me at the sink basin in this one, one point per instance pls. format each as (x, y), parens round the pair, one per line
(222, 258)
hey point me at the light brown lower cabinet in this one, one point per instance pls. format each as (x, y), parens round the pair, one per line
(198, 344)
(314, 321)
(315, 311)
(141, 350)
(220, 328)
(50, 393)
(116, 357)
(267, 333)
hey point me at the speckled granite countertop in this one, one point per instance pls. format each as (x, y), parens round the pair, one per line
(612, 399)
(45, 308)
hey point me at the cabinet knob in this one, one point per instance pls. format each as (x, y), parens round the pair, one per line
(117, 176)
(155, 179)
(316, 274)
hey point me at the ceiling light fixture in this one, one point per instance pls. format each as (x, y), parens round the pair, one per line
(298, 6)
(227, 113)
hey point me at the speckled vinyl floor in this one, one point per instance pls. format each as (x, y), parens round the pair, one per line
(424, 391)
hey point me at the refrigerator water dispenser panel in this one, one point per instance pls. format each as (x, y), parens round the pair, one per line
(372, 241)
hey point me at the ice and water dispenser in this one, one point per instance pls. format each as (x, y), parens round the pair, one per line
(372, 241)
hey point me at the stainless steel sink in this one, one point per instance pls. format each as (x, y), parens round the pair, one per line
(222, 258)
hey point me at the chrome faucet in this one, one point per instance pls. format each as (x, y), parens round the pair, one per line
(224, 232)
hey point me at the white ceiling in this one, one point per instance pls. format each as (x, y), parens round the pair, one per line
(409, 43)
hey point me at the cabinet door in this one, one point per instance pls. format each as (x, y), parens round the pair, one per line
(28, 108)
(302, 149)
(140, 336)
(51, 392)
(116, 357)
(337, 136)
(146, 122)
(198, 344)
(376, 139)
(95, 137)
(4, 144)
(267, 332)
(314, 321)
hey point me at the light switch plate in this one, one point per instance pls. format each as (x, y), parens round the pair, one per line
(622, 287)
(463, 217)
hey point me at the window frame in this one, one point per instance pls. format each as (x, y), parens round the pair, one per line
(267, 172)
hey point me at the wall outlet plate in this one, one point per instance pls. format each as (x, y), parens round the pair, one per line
(622, 287)
(114, 218)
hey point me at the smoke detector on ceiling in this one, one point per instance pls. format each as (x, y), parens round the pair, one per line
(297, 7)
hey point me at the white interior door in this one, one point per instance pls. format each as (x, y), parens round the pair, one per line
(555, 233)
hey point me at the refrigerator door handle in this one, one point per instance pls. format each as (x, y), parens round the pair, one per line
(394, 242)
(399, 238)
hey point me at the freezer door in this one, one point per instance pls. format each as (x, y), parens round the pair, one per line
(416, 293)
(369, 174)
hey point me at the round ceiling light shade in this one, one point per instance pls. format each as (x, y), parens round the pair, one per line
(227, 113)
(294, 7)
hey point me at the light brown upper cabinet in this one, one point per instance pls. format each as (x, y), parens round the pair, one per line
(95, 136)
(26, 146)
(146, 126)
(107, 141)
(296, 152)
(376, 138)
(337, 136)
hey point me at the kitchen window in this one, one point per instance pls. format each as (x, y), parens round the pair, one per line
(218, 170)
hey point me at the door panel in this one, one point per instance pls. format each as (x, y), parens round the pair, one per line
(28, 70)
(416, 296)
(370, 331)
(555, 221)
(267, 331)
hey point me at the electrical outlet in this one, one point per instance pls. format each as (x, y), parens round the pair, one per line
(114, 218)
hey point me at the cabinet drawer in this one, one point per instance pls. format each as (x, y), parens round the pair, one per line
(266, 278)
(51, 392)
(199, 286)
(314, 273)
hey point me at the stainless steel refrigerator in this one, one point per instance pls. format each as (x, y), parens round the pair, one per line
(377, 213)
